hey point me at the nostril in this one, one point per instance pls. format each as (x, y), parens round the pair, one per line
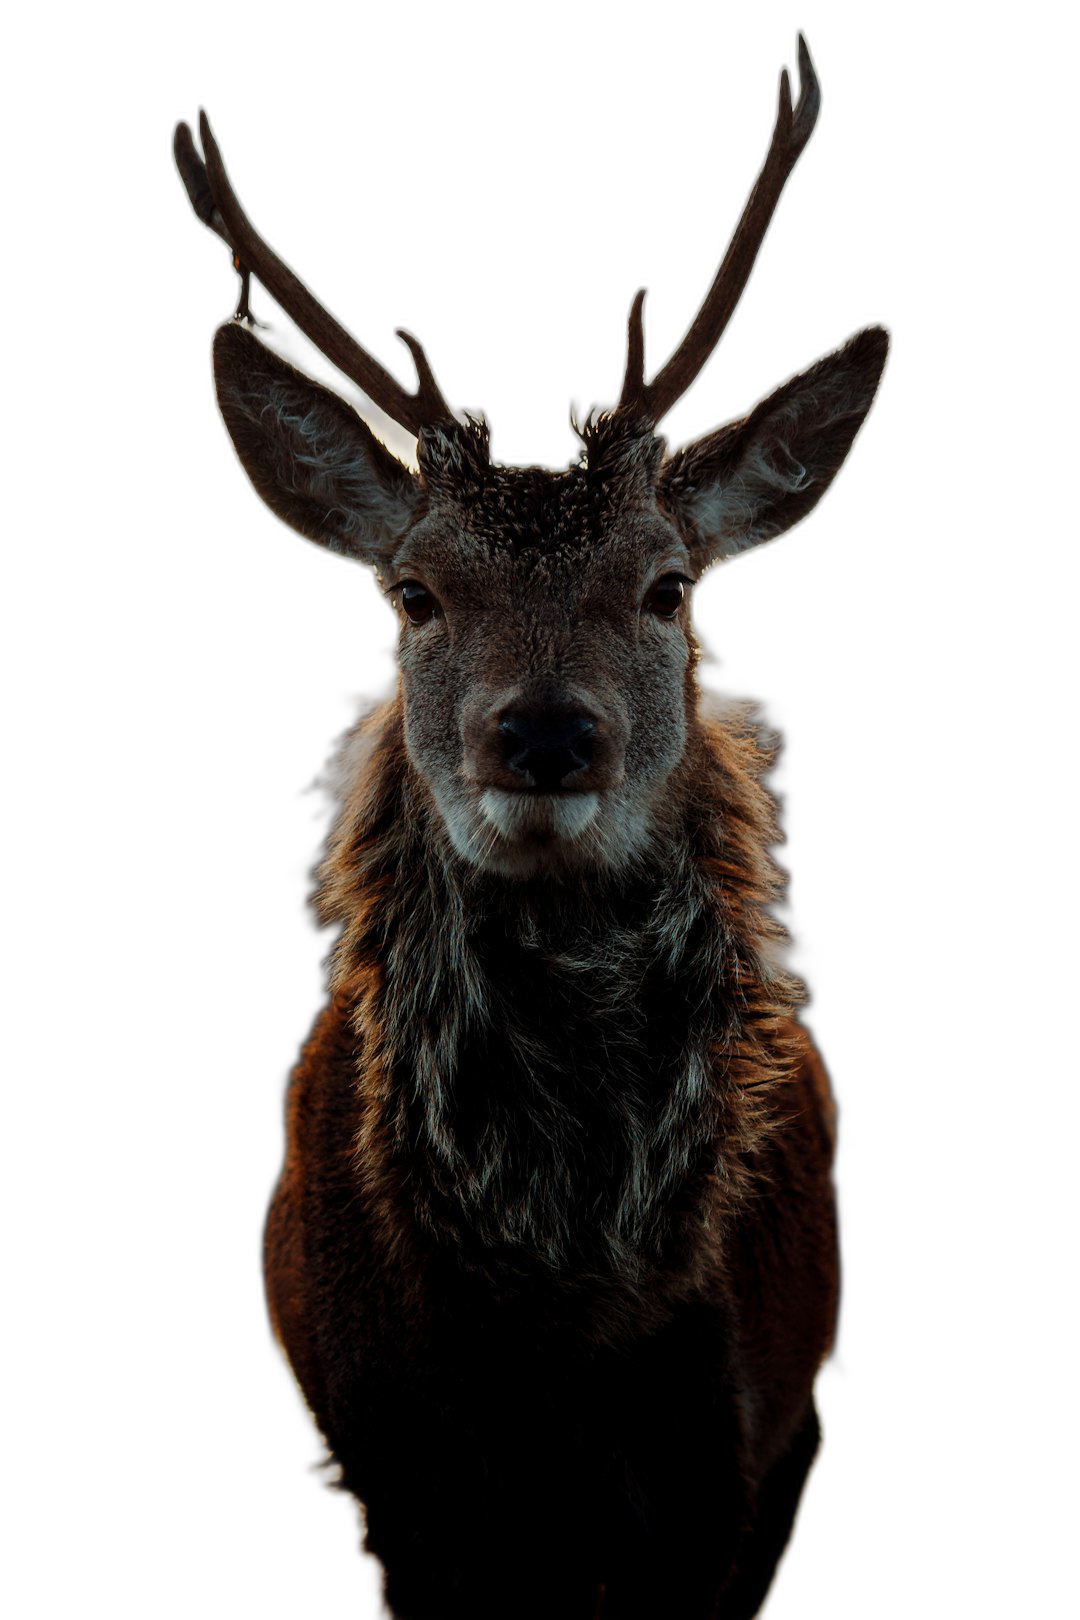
(547, 747)
(547, 731)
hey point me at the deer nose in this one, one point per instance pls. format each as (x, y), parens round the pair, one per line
(546, 745)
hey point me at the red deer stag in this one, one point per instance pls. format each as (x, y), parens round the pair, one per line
(553, 1254)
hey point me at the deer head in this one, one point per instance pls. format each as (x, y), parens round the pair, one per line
(546, 650)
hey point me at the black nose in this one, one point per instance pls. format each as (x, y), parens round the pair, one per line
(546, 745)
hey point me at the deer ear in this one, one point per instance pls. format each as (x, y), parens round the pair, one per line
(753, 479)
(308, 454)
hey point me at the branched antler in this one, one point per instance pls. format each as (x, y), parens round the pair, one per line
(792, 131)
(215, 202)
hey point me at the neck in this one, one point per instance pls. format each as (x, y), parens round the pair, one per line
(574, 1073)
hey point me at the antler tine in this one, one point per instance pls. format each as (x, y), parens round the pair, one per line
(633, 390)
(790, 135)
(217, 205)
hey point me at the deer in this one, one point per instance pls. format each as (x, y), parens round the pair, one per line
(553, 1255)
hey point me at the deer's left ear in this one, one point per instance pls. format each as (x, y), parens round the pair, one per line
(753, 479)
(308, 454)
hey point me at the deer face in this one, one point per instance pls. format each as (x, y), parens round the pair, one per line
(545, 651)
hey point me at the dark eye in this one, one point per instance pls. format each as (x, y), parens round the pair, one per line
(665, 598)
(418, 602)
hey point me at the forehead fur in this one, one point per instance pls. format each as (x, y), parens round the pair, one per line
(534, 509)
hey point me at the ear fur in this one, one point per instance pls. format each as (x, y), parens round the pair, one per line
(308, 454)
(753, 479)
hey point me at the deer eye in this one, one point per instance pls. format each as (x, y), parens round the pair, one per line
(418, 602)
(665, 598)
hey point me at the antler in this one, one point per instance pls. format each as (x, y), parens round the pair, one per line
(213, 199)
(790, 135)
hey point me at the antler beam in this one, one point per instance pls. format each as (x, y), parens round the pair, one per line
(215, 202)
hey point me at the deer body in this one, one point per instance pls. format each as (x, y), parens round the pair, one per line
(550, 1327)
(553, 1255)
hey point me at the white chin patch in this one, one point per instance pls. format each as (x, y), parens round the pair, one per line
(539, 817)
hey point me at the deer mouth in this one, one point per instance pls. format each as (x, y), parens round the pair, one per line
(538, 818)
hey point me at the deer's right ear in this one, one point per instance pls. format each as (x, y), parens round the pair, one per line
(308, 454)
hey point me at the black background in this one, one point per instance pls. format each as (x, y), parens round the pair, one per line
(504, 196)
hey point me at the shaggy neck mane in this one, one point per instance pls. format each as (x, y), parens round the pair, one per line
(570, 1076)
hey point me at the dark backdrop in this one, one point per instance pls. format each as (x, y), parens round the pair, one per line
(504, 196)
